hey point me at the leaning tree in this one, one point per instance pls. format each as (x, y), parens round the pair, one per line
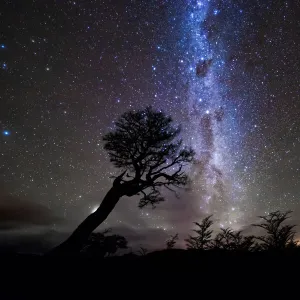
(146, 148)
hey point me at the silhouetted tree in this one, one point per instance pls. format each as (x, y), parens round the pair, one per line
(203, 238)
(142, 251)
(231, 240)
(146, 148)
(223, 239)
(172, 241)
(101, 244)
(247, 243)
(278, 236)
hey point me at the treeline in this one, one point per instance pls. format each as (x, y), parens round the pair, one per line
(278, 236)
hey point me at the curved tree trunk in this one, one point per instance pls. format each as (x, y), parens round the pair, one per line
(77, 239)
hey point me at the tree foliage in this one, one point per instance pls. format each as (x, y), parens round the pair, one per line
(231, 240)
(102, 244)
(227, 239)
(278, 235)
(145, 145)
(171, 242)
(142, 251)
(202, 238)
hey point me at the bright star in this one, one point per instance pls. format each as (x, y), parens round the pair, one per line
(3, 46)
(6, 132)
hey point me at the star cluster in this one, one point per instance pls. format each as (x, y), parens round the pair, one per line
(227, 71)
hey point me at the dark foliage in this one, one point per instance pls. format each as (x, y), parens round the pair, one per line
(101, 244)
(145, 145)
(229, 240)
(278, 235)
(142, 251)
(203, 238)
(171, 242)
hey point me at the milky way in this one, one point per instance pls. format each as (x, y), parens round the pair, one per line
(228, 71)
(211, 126)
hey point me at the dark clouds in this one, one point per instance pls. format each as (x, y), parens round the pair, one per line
(16, 213)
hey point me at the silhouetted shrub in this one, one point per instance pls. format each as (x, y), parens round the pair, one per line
(229, 240)
(142, 251)
(171, 242)
(278, 236)
(101, 244)
(202, 238)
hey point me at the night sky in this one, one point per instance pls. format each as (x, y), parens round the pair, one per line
(228, 71)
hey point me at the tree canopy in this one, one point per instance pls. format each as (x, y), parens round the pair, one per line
(278, 235)
(145, 145)
(202, 240)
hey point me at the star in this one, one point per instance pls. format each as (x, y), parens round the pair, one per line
(6, 132)
(216, 12)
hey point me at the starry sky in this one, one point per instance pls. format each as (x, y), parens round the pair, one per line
(227, 71)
